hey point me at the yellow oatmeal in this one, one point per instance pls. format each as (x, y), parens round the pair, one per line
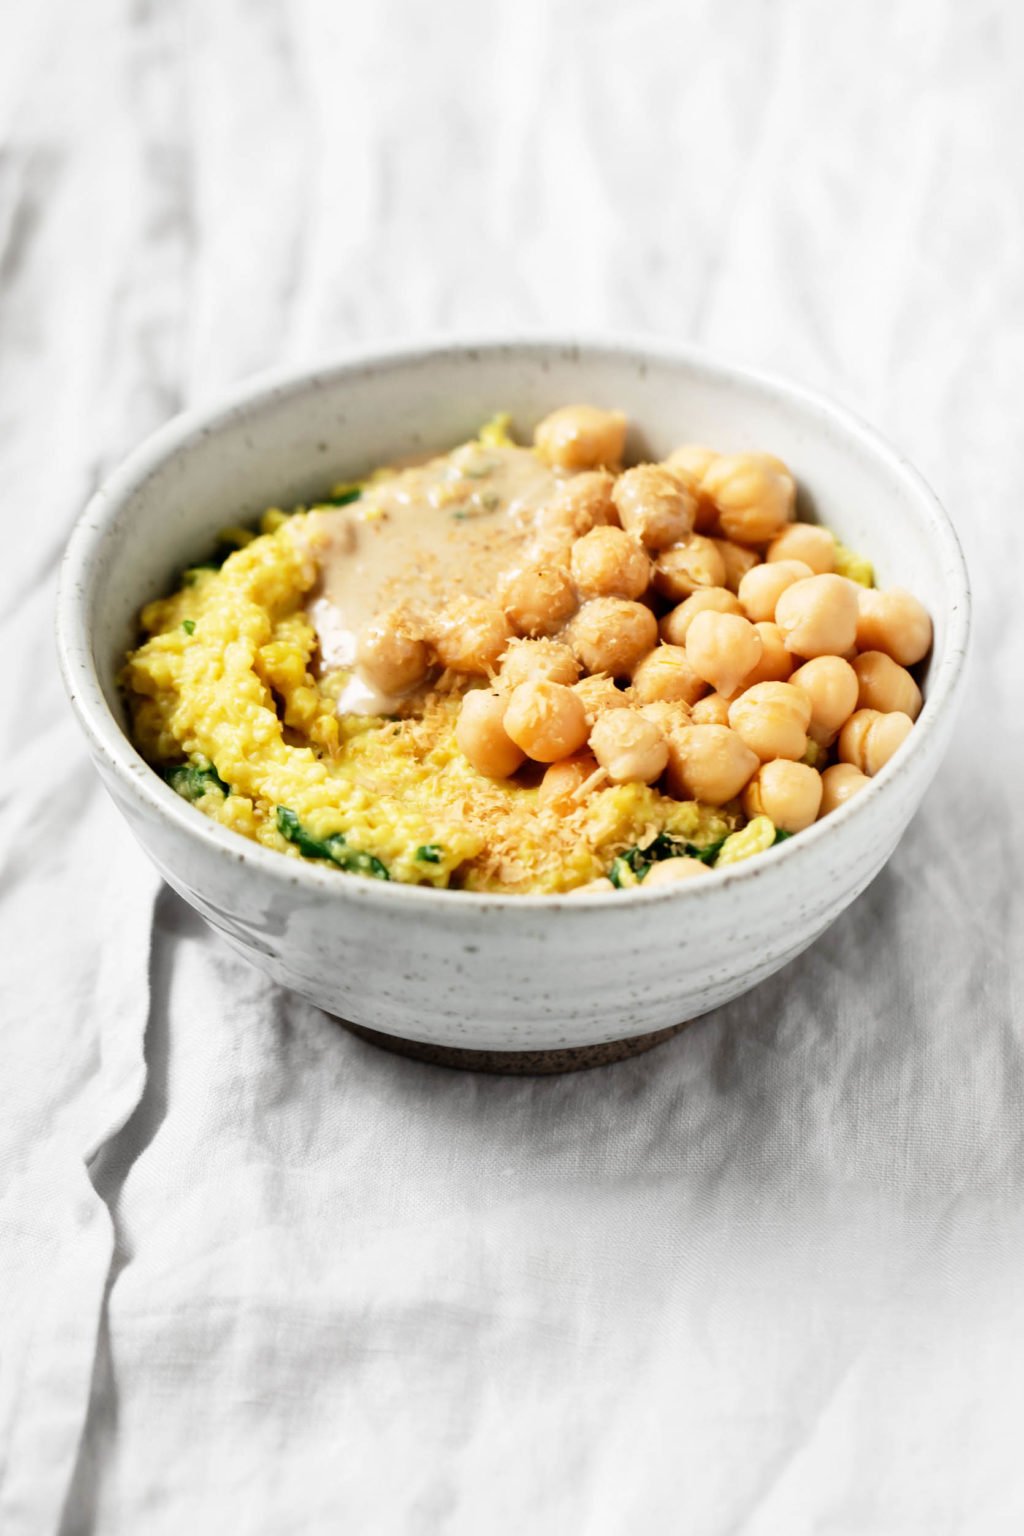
(529, 669)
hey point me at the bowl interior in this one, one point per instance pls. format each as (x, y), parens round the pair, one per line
(286, 442)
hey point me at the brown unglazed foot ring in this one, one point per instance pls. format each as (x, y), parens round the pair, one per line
(575, 1058)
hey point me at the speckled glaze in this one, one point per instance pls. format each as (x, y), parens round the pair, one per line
(451, 968)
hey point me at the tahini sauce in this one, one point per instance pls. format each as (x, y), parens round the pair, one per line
(443, 529)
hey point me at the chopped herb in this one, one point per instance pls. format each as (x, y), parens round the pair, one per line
(189, 626)
(332, 848)
(357, 863)
(780, 836)
(429, 853)
(342, 495)
(706, 855)
(633, 863)
(622, 874)
(289, 825)
(192, 780)
(664, 846)
(629, 868)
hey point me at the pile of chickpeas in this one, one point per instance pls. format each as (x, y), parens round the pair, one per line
(672, 624)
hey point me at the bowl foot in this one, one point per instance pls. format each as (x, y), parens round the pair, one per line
(576, 1058)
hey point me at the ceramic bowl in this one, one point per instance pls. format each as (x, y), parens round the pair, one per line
(453, 968)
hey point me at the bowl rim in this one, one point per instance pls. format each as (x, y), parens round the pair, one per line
(107, 739)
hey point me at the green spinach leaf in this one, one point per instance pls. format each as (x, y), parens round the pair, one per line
(333, 848)
(192, 780)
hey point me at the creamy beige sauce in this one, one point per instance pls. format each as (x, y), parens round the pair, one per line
(443, 529)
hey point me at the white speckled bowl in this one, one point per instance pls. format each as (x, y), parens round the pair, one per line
(451, 968)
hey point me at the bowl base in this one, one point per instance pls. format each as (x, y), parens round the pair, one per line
(576, 1058)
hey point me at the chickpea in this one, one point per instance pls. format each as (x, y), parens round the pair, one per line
(830, 684)
(674, 625)
(481, 735)
(772, 718)
(547, 659)
(709, 763)
(671, 871)
(754, 493)
(713, 709)
(471, 635)
(869, 739)
(608, 562)
(537, 599)
(685, 568)
(886, 686)
(691, 463)
(722, 648)
(655, 505)
(666, 674)
(582, 503)
(581, 437)
(763, 585)
(840, 783)
(597, 694)
(803, 541)
(390, 653)
(629, 748)
(789, 794)
(610, 634)
(667, 714)
(818, 615)
(776, 663)
(546, 719)
(563, 779)
(599, 887)
(895, 622)
(737, 561)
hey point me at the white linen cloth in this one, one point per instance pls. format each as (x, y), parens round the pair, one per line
(257, 1276)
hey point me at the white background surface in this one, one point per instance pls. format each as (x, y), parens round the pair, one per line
(765, 1280)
